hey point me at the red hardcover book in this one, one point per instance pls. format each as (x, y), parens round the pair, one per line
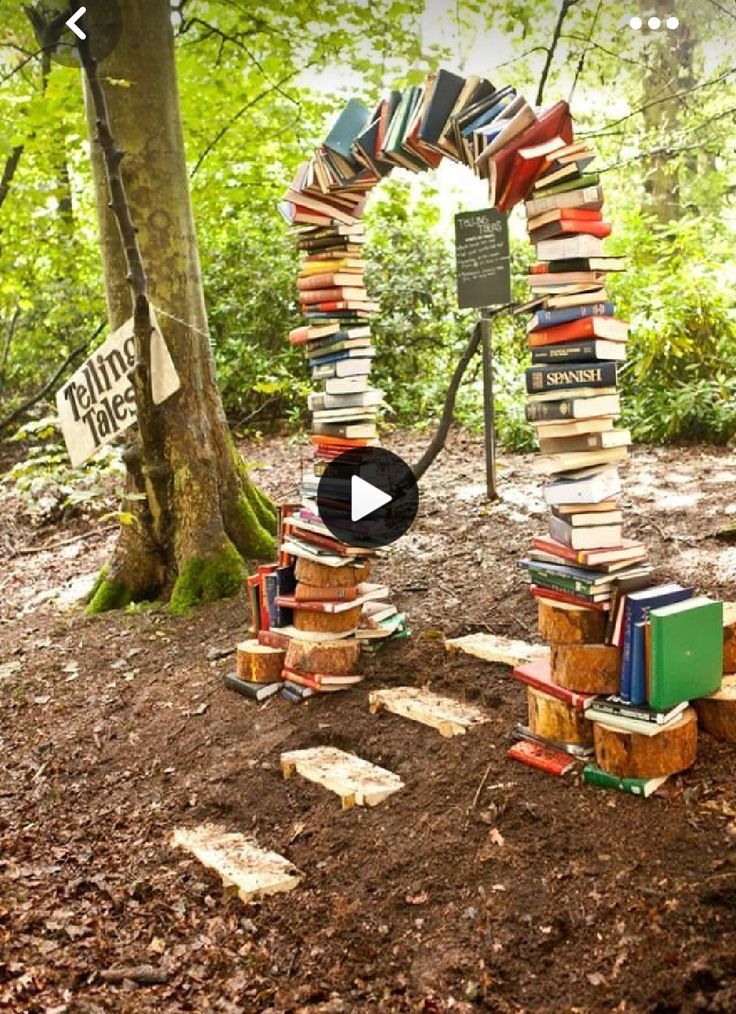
(264, 568)
(315, 605)
(320, 680)
(344, 445)
(323, 541)
(538, 674)
(309, 296)
(568, 227)
(566, 214)
(254, 592)
(629, 550)
(312, 593)
(333, 307)
(562, 596)
(585, 327)
(274, 639)
(331, 279)
(544, 758)
(513, 176)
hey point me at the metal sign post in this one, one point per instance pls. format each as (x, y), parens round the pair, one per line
(489, 423)
(484, 280)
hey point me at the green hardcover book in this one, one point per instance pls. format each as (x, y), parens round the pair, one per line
(593, 775)
(686, 659)
(579, 183)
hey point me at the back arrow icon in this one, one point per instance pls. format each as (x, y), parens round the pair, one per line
(72, 23)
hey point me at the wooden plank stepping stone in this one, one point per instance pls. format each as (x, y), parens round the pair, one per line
(449, 717)
(244, 867)
(356, 781)
(494, 648)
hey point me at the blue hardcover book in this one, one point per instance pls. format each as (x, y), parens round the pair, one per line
(638, 692)
(335, 357)
(638, 605)
(285, 585)
(550, 318)
(489, 115)
(270, 584)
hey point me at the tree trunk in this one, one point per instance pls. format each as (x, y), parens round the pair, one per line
(201, 517)
(670, 71)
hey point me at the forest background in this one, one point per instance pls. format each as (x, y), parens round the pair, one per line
(259, 86)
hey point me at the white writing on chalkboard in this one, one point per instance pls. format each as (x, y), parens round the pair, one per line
(482, 258)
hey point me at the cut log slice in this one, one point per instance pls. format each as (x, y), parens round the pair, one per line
(556, 720)
(311, 572)
(587, 668)
(259, 663)
(338, 658)
(332, 623)
(729, 637)
(631, 755)
(571, 626)
(717, 712)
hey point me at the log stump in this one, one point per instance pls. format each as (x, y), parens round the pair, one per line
(571, 626)
(717, 712)
(587, 668)
(327, 623)
(259, 663)
(336, 658)
(556, 720)
(631, 755)
(311, 572)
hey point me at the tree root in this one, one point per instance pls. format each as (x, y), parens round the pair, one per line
(208, 578)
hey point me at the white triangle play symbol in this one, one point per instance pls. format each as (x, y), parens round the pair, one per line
(365, 498)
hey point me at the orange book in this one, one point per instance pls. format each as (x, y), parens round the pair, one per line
(330, 280)
(587, 327)
(309, 296)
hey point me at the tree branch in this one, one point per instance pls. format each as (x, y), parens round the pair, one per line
(667, 98)
(564, 8)
(233, 119)
(11, 165)
(50, 383)
(448, 409)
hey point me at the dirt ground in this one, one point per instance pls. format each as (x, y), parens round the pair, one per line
(546, 896)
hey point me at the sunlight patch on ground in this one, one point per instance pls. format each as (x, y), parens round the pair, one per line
(720, 477)
(708, 566)
(665, 500)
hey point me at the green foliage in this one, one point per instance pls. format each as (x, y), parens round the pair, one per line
(679, 381)
(259, 86)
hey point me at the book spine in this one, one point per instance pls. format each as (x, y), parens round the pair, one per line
(570, 352)
(612, 708)
(550, 411)
(552, 378)
(593, 775)
(274, 639)
(549, 318)
(624, 687)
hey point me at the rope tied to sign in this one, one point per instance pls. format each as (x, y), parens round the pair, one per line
(584, 53)
(178, 320)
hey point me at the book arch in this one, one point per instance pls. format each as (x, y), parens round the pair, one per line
(318, 606)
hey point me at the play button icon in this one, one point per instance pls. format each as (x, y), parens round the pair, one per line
(367, 497)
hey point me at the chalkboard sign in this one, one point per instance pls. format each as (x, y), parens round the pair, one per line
(482, 258)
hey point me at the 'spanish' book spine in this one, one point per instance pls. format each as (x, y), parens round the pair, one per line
(552, 377)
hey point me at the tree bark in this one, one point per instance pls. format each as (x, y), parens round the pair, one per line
(670, 71)
(201, 517)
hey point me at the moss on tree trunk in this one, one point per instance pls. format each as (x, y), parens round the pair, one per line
(193, 544)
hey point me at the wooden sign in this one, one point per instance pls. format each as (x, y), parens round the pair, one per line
(98, 403)
(482, 258)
